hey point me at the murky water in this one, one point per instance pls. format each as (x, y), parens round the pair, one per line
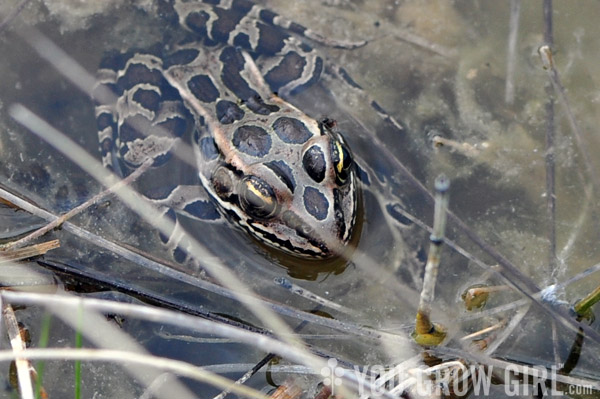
(452, 84)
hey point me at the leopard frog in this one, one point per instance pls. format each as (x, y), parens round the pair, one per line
(287, 179)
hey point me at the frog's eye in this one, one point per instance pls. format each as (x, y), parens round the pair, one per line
(257, 198)
(342, 161)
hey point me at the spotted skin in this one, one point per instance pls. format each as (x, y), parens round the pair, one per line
(271, 169)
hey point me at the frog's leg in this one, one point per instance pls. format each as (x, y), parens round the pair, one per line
(146, 118)
(189, 200)
(289, 63)
(282, 49)
(143, 118)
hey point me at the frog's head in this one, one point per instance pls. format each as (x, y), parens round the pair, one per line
(292, 185)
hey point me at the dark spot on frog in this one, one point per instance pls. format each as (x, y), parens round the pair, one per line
(257, 105)
(203, 88)
(204, 210)
(289, 69)
(314, 163)
(291, 130)
(316, 203)
(228, 112)
(252, 140)
(227, 20)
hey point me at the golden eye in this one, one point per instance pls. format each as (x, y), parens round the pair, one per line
(342, 161)
(257, 198)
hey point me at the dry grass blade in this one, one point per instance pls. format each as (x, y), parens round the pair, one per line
(180, 368)
(12, 255)
(304, 293)
(506, 333)
(551, 171)
(18, 348)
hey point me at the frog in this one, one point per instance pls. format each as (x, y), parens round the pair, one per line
(286, 178)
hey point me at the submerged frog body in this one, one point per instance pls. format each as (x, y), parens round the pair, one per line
(282, 176)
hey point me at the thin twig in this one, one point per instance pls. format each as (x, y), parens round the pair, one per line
(574, 354)
(484, 331)
(550, 185)
(436, 240)
(548, 25)
(513, 26)
(436, 48)
(556, 343)
(78, 209)
(516, 320)
(311, 296)
(264, 361)
(550, 161)
(548, 62)
(13, 14)
(584, 306)
(162, 380)
(247, 375)
(550, 171)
